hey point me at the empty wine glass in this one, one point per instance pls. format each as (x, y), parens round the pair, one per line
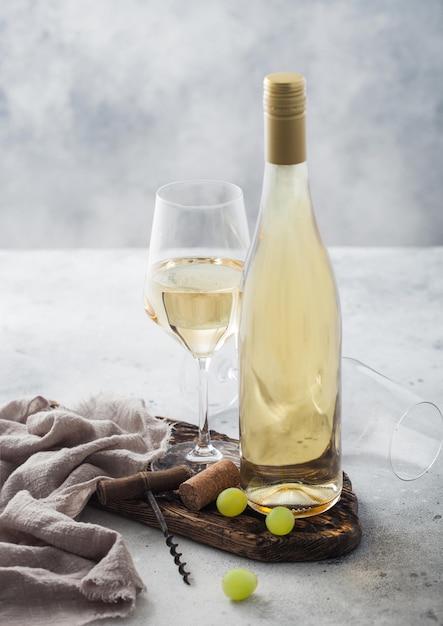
(386, 427)
(198, 245)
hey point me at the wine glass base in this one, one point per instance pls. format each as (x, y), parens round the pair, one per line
(197, 458)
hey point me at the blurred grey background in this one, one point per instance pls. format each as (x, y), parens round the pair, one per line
(103, 101)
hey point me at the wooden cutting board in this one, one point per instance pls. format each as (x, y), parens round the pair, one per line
(331, 534)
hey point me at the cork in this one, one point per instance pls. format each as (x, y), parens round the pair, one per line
(205, 486)
(284, 101)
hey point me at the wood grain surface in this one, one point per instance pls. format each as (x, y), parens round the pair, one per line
(328, 535)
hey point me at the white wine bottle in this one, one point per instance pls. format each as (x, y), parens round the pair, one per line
(290, 329)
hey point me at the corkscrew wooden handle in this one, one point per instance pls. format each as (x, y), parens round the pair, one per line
(135, 486)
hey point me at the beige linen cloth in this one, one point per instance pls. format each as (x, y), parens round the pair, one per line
(55, 569)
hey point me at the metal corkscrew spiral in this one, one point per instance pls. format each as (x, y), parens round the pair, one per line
(169, 538)
(173, 550)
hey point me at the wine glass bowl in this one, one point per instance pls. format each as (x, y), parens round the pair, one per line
(198, 245)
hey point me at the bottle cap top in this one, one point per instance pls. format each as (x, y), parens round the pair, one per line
(284, 102)
(284, 95)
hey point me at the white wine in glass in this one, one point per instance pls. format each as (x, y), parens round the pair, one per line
(198, 245)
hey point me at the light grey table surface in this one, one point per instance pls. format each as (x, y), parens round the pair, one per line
(72, 325)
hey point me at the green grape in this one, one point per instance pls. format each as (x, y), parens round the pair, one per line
(231, 502)
(280, 521)
(239, 583)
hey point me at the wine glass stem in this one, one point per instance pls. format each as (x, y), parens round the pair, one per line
(204, 439)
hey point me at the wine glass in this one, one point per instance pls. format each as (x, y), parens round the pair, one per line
(198, 245)
(386, 426)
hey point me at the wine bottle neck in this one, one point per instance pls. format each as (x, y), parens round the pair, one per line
(286, 193)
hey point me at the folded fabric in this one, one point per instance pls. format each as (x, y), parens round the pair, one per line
(55, 569)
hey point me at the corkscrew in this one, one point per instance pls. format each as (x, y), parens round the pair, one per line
(145, 484)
